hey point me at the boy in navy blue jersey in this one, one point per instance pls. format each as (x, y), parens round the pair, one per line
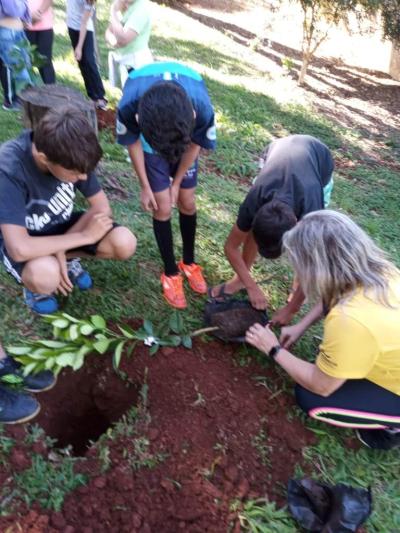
(41, 235)
(165, 116)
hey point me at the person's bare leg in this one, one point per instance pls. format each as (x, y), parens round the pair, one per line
(2, 352)
(41, 275)
(249, 254)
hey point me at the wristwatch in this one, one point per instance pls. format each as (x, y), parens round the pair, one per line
(274, 351)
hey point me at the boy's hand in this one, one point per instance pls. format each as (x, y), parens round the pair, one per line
(98, 225)
(257, 297)
(283, 316)
(147, 200)
(66, 285)
(174, 192)
(290, 334)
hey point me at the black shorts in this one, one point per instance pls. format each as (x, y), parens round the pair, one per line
(15, 268)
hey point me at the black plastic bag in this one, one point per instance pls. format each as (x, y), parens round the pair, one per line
(233, 317)
(326, 509)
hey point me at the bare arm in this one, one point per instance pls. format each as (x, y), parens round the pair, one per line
(98, 204)
(291, 334)
(304, 373)
(23, 247)
(82, 34)
(189, 157)
(233, 252)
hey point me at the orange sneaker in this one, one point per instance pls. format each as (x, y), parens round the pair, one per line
(194, 276)
(173, 290)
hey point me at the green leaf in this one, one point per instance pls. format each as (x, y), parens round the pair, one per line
(19, 350)
(102, 345)
(148, 327)
(12, 379)
(173, 340)
(60, 323)
(28, 369)
(86, 329)
(128, 332)
(187, 341)
(74, 332)
(49, 363)
(70, 318)
(154, 349)
(117, 354)
(66, 359)
(79, 360)
(176, 322)
(98, 321)
(52, 344)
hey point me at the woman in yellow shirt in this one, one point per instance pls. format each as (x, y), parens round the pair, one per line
(355, 380)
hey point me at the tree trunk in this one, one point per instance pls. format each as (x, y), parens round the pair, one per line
(394, 68)
(38, 100)
(304, 67)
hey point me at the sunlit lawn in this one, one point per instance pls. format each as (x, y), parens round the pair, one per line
(247, 119)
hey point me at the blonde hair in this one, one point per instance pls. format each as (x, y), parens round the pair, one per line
(332, 257)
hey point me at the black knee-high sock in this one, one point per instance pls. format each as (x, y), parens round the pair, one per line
(188, 225)
(163, 233)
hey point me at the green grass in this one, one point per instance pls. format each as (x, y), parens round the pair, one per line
(248, 118)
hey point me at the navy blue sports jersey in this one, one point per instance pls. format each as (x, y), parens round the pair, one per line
(140, 80)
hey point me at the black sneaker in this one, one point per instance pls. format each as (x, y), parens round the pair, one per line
(39, 382)
(379, 439)
(17, 407)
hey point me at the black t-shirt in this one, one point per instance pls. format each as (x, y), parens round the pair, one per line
(30, 198)
(296, 170)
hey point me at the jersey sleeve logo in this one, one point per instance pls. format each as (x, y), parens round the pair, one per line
(211, 133)
(121, 128)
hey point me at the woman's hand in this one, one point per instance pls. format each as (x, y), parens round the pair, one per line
(290, 335)
(261, 337)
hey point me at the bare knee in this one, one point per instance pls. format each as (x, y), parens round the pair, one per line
(42, 275)
(187, 202)
(123, 243)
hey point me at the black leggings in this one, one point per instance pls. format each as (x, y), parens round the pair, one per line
(43, 40)
(358, 403)
(88, 65)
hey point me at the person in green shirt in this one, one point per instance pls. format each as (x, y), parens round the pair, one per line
(129, 33)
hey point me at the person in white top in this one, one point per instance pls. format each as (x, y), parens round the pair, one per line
(81, 33)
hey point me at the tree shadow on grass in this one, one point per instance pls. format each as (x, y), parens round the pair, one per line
(368, 86)
(185, 50)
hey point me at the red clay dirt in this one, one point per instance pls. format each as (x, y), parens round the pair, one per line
(218, 432)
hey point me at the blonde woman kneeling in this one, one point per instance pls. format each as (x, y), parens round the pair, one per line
(355, 380)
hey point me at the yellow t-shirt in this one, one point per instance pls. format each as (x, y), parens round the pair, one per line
(362, 340)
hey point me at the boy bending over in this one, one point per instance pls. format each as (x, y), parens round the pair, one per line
(296, 179)
(41, 236)
(164, 117)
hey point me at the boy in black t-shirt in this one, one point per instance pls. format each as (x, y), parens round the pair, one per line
(296, 179)
(39, 231)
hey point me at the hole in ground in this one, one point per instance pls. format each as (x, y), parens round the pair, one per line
(84, 404)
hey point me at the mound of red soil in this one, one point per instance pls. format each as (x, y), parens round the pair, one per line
(210, 434)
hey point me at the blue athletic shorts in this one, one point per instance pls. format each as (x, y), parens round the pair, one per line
(160, 173)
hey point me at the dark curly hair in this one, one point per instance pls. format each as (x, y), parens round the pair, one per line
(272, 220)
(67, 139)
(166, 119)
